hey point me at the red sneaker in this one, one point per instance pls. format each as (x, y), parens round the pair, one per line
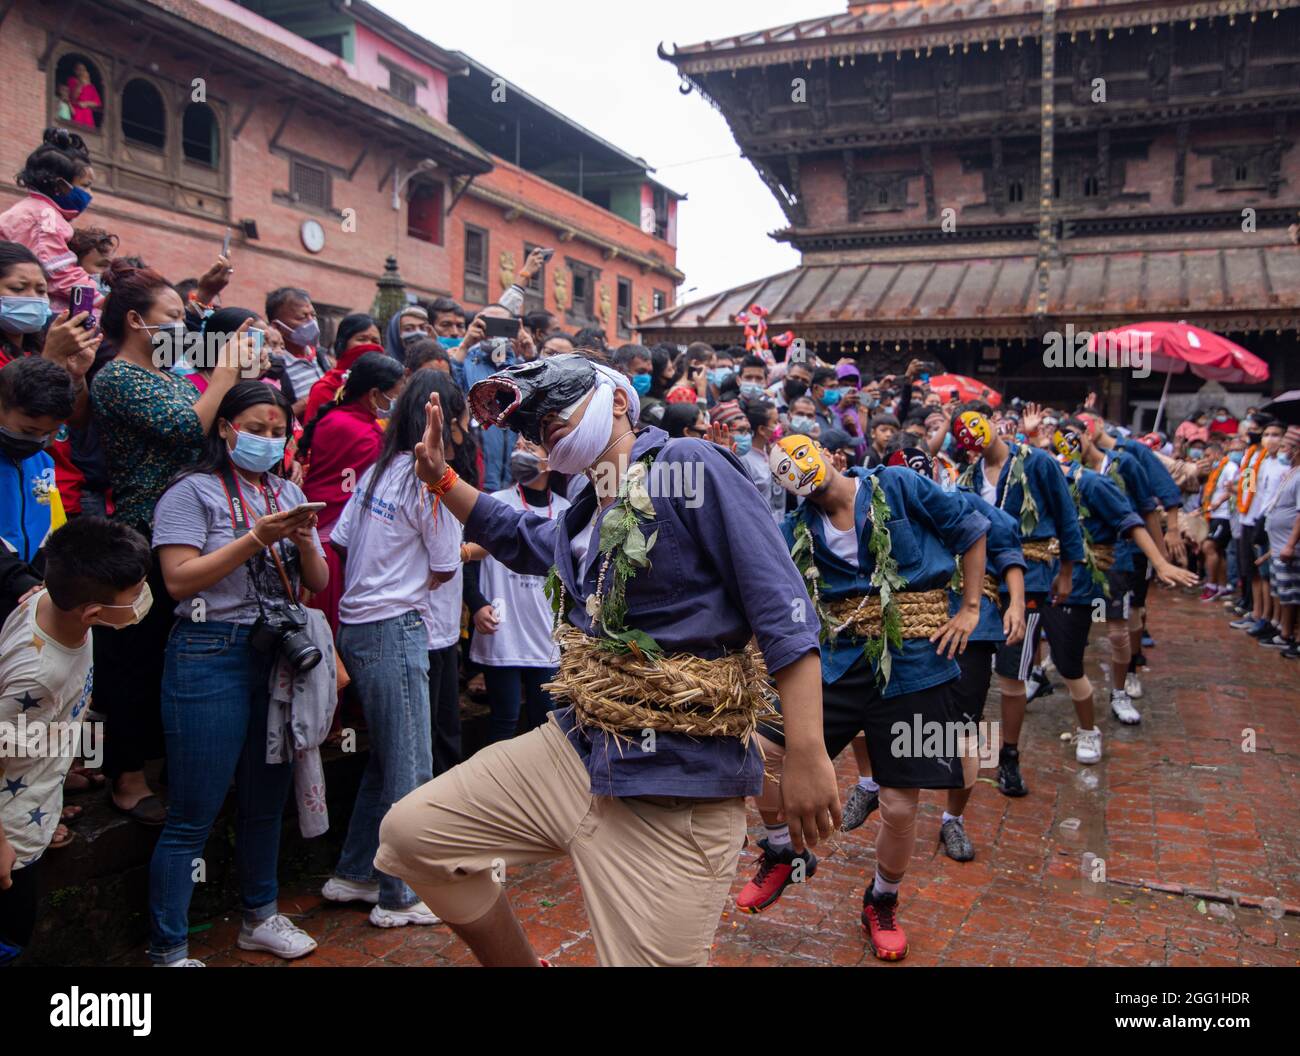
(887, 939)
(776, 872)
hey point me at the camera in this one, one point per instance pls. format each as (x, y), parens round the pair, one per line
(281, 628)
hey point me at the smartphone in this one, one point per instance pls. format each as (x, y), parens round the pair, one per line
(496, 327)
(225, 245)
(308, 507)
(547, 254)
(82, 299)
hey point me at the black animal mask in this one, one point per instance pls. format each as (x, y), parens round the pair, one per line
(520, 396)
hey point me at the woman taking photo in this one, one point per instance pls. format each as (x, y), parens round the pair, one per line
(226, 577)
(399, 547)
(152, 424)
(338, 446)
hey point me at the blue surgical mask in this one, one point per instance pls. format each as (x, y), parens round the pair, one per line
(1284, 458)
(751, 390)
(74, 200)
(24, 315)
(449, 342)
(720, 374)
(947, 441)
(1235, 457)
(302, 335)
(1196, 454)
(801, 424)
(641, 382)
(257, 454)
(743, 441)
(831, 397)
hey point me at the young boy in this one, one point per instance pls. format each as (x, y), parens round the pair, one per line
(95, 573)
(858, 537)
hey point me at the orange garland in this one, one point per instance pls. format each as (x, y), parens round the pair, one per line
(1249, 472)
(1211, 482)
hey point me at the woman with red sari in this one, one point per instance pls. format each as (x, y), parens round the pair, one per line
(83, 97)
(357, 334)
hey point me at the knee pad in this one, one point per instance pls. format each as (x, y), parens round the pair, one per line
(1080, 688)
(1012, 687)
(898, 808)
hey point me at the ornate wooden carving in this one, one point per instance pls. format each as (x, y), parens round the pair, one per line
(1236, 58)
(1160, 66)
(997, 187)
(756, 98)
(851, 213)
(1013, 78)
(880, 94)
(1180, 161)
(948, 85)
(818, 99)
(1087, 67)
(1103, 165)
(1280, 145)
(795, 186)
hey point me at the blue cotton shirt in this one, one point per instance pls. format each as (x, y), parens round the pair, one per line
(496, 443)
(927, 526)
(1162, 484)
(25, 509)
(1110, 517)
(719, 575)
(1056, 515)
(1002, 551)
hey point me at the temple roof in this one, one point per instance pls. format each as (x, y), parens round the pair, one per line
(1230, 288)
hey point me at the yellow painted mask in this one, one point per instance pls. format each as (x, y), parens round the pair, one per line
(972, 431)
(1067, 443)
(798, 464)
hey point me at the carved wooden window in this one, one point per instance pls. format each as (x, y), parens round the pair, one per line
(624, 307)
(1015, 191)
(582, 311)
(144, 118)
(309, 184)
(476, 265)
(659, 300)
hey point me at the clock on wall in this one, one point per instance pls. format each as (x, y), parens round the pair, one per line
(313, 235)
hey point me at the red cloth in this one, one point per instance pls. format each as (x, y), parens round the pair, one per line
(1228, 427)
(344, 445)
(327, 387)
(78, 95)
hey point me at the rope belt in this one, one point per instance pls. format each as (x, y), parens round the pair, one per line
(1041, 550)
(1104, 555)
(922, 613)
(679, 693)
(990, 588)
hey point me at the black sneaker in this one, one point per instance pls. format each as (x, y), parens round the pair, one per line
(1292, 651)
(1147, 641)
(956, 844)
(858, 808)
(1010, 783)
(1263, 631)
(1277, 642)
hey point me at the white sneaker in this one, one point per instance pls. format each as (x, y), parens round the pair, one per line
(278, 935)
(418, 913)
(337, 889)
(186, 962)
(1122, 708)
(1087, 746)
(1133, 686)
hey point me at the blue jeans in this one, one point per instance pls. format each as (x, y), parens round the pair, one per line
(503, 685)
(214, 702)
(389, 664)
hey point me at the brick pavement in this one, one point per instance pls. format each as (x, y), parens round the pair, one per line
(1175, 802)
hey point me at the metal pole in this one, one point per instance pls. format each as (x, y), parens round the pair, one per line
(1164, 395)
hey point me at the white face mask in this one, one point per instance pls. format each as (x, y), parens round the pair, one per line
(139, 609)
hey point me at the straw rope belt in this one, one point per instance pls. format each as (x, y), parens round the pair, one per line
(678, 693)
(922, 612)
(990, 589)
(1104, 555)
(1041, 550)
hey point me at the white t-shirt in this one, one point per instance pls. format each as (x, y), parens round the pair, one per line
(1225, 488)
(843, 542)
(393, 543)
(447, 599)
(44, 690)
(523, 635)
(988, 488)
(1270, 475)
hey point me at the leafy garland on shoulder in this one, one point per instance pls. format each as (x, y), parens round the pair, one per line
(1015, 475)
(1089, 558)
(885, 578)
(626, 549)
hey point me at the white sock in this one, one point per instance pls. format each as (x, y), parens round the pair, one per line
(881, 886)
(951, 817)
(778, 836)
(868, 784)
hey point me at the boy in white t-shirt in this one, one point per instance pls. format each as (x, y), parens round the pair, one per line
(95, 573)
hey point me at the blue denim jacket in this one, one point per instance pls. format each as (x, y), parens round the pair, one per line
(1056, 516)
(1002, 551)
(1137, 489)
(927, 526)
(719, 575)
(1162, 484)
(1110, 517)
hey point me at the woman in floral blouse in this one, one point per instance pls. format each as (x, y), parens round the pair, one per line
(152, 426)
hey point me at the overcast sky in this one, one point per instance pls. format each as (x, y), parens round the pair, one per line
(595, 61)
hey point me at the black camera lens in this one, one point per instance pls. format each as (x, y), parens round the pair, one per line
(298, 651)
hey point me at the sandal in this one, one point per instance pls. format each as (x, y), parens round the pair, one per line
(149, 811)
(82, 779)
(62, 837)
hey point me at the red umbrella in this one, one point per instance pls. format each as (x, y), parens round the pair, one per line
(959, 388)
(1177, 348)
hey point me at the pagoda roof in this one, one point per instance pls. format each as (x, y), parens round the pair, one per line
(890, 25)
(1228, 288)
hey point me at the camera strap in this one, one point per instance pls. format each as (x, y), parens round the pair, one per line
(239, 521)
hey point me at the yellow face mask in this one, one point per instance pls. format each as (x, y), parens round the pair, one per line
(1067, 443)
(798, 464)
(972, 431)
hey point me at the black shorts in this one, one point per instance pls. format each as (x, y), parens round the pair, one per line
(1141, 580)
(1067, 628)
(1220, 533)
(1246, 555)
(900, 757)
(18, 913)
(1121, 586)
(971, 690)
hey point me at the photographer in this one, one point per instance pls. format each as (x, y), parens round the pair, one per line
(232, 581)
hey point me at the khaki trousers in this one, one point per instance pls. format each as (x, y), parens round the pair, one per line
(655, 870)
